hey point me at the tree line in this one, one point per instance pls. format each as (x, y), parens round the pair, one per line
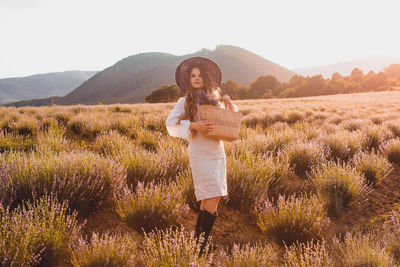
(298, 86)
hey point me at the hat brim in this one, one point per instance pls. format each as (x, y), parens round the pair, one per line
(211, 67)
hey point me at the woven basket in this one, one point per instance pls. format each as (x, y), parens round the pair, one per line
(227, 121)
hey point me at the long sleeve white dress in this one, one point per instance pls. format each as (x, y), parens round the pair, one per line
(206, 155)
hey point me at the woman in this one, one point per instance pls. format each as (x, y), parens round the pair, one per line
(206, 155)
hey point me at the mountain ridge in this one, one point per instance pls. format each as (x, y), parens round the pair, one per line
(41, 85)
(375, 63)
(131, 79)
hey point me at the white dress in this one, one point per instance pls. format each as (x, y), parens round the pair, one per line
(206, 155)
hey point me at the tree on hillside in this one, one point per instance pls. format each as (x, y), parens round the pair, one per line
(231, 88)
(373, 81)
(350, 86)
(165, 94)
(288, 92)
(243, 92)
(336, 76)
(260, 87)
(296, 81)
(393, 71)
(357, 75)
(312, 86)
(333, 86)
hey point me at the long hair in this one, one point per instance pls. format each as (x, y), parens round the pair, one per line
(192, 98)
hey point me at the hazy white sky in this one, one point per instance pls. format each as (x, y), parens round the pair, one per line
(38, 36)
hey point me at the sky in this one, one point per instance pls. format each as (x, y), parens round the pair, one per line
(40, 36)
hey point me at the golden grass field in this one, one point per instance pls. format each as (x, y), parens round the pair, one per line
(311, 182)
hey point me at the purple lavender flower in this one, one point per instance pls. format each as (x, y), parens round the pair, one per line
(206, 98)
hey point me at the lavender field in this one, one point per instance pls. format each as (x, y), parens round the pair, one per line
(311, 182)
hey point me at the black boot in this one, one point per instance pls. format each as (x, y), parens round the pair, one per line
(199, 224)
(208, 222)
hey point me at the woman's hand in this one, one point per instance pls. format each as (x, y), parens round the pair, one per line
(227, 100)
(202, 126)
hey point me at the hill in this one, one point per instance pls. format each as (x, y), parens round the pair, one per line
(375, 63)
(131, 79)
(41, 85)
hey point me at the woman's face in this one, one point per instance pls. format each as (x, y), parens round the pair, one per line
(195, 78)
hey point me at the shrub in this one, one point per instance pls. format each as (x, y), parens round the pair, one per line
(302, 156)
(148, 140)
(337, 145)
(111, 143)
(123, 124)
(19, 239)
(42, 229)
(76, 109)
(336, 119)
(377, 119)
(270, 143)
(62, 117)
(354, 142)
(57, 228)
(76, 126)
(184, 181)
(152, 206)
(337, 185)
(391, 229)
(5, 125)
(394, 127)
(320, 116)
(246, 133)
(278, 117)
(106, 250)
(53, 140)
(144, 166)
(373, 166)
(174, 248)
(254, 120)
(248, 255)
(88, 125)
(306, 132)
(26, 127)
(293, 218)
(374, 136)
(119, 108)
(48, 123)
(175, 158)
(294, 116)
(249, 177)
(353, 124)
(82, 178)
(313, 253)
(255, 144)
(156, 124)
(12, 142)
(361, 250)
(278, 140)
(391, 149)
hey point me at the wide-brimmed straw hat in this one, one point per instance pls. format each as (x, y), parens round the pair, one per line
(210, 66)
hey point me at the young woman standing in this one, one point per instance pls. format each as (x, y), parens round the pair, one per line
(194, 76)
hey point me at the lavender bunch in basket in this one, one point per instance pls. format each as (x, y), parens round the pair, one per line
(206, 98)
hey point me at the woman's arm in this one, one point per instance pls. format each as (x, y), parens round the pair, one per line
(178, 130)
(228, 103)
(235, 108)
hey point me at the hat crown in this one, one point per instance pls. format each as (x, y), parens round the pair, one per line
(181, 77)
